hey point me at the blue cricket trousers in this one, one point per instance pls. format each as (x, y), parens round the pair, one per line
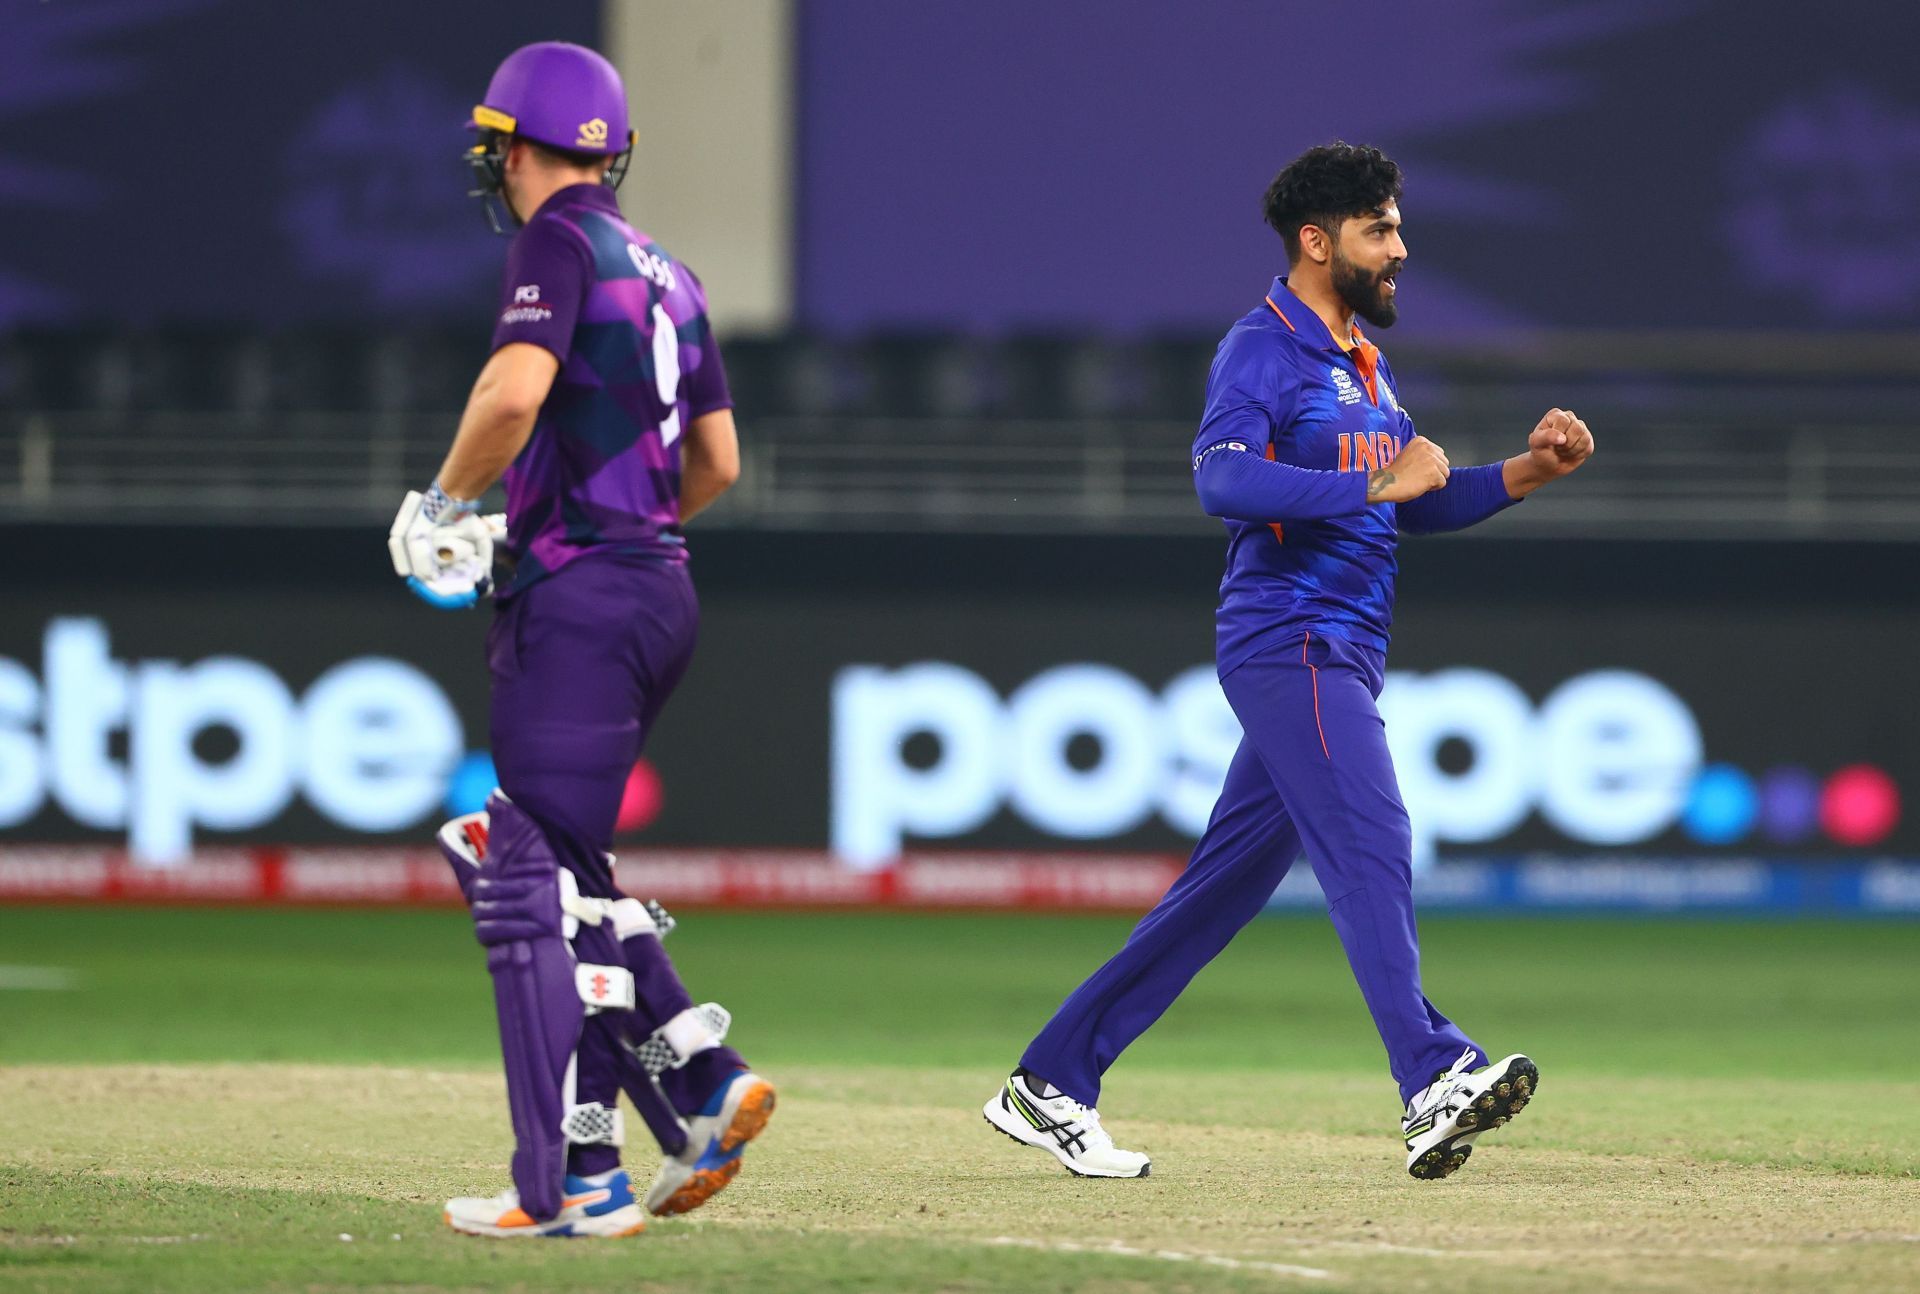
(1312, 771)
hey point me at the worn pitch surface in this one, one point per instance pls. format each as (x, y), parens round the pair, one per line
(201, 1101)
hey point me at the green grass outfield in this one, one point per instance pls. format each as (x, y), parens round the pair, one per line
(208, 1100)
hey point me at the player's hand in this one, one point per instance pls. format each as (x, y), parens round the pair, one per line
(1559, 444)
(1420, 466)
(447, 563)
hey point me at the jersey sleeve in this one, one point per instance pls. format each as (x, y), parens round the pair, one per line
(1237, 485)
(1251, 394)
(1470, 496)
(707, 380)
(549, 273)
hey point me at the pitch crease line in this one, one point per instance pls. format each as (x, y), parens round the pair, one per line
(1164, 1255)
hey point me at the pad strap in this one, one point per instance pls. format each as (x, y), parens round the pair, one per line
(595, 1125)
(603, 988)
(693, 1031)
(630, 917)
(464, 842)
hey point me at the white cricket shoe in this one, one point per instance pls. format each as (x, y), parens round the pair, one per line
(1060, 1125)
(608, 1209)
(715, 1144)
(1445, 1117)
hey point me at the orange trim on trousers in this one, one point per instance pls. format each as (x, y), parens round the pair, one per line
(1315, 670)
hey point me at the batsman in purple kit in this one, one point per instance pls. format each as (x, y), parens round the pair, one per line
(605, 406)
(1306, 454)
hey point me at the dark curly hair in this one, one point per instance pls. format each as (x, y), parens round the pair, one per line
(1326, 185)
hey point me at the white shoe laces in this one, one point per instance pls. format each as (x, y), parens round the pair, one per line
(1095, 1136)
(1448, 1087)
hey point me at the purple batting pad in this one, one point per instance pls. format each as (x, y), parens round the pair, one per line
(516, 915)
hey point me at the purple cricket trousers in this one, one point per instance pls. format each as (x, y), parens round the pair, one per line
(1312, 771)
(582, 663)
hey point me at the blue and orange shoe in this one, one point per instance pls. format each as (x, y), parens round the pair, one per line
(716, 1137)
(589, 1208)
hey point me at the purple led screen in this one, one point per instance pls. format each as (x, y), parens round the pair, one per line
(233, 160)
(1004, 165)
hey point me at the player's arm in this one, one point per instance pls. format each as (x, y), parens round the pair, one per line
(1250, 398)
(710, 453)
(549, 273)
(1236, 483)
(499, 417)
(438, 541)
(1470, 496)
(1558, 445)
(709, 461)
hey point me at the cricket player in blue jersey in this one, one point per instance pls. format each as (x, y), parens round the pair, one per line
(1306, 454)
(605, 408)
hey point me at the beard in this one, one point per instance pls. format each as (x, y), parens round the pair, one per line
(1363, 291)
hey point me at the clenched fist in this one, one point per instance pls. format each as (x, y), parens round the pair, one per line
(1420, 466)
(1559, 444)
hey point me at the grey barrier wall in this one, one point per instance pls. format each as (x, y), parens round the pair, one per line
(185, 687)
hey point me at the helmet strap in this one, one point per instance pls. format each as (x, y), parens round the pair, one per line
(617, 172)
(487, 163)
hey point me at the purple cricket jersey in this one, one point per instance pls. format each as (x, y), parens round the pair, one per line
(638, 363)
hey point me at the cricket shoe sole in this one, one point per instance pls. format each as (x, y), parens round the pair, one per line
(715, 1146)
(1495, 1096)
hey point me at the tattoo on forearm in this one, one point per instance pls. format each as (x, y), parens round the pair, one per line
(1377, 482)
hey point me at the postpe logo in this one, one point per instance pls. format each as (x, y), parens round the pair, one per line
(1607, 758)
(370, 746)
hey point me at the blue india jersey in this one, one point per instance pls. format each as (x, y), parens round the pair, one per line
(1283, 386)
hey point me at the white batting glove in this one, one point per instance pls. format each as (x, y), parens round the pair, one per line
(443, 548)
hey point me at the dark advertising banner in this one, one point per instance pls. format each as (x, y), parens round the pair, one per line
(177, 690)
(225, 160)
(1100, 163)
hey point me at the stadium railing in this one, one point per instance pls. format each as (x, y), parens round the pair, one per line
(1700, 436)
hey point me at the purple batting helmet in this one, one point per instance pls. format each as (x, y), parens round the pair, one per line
(564, 96)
